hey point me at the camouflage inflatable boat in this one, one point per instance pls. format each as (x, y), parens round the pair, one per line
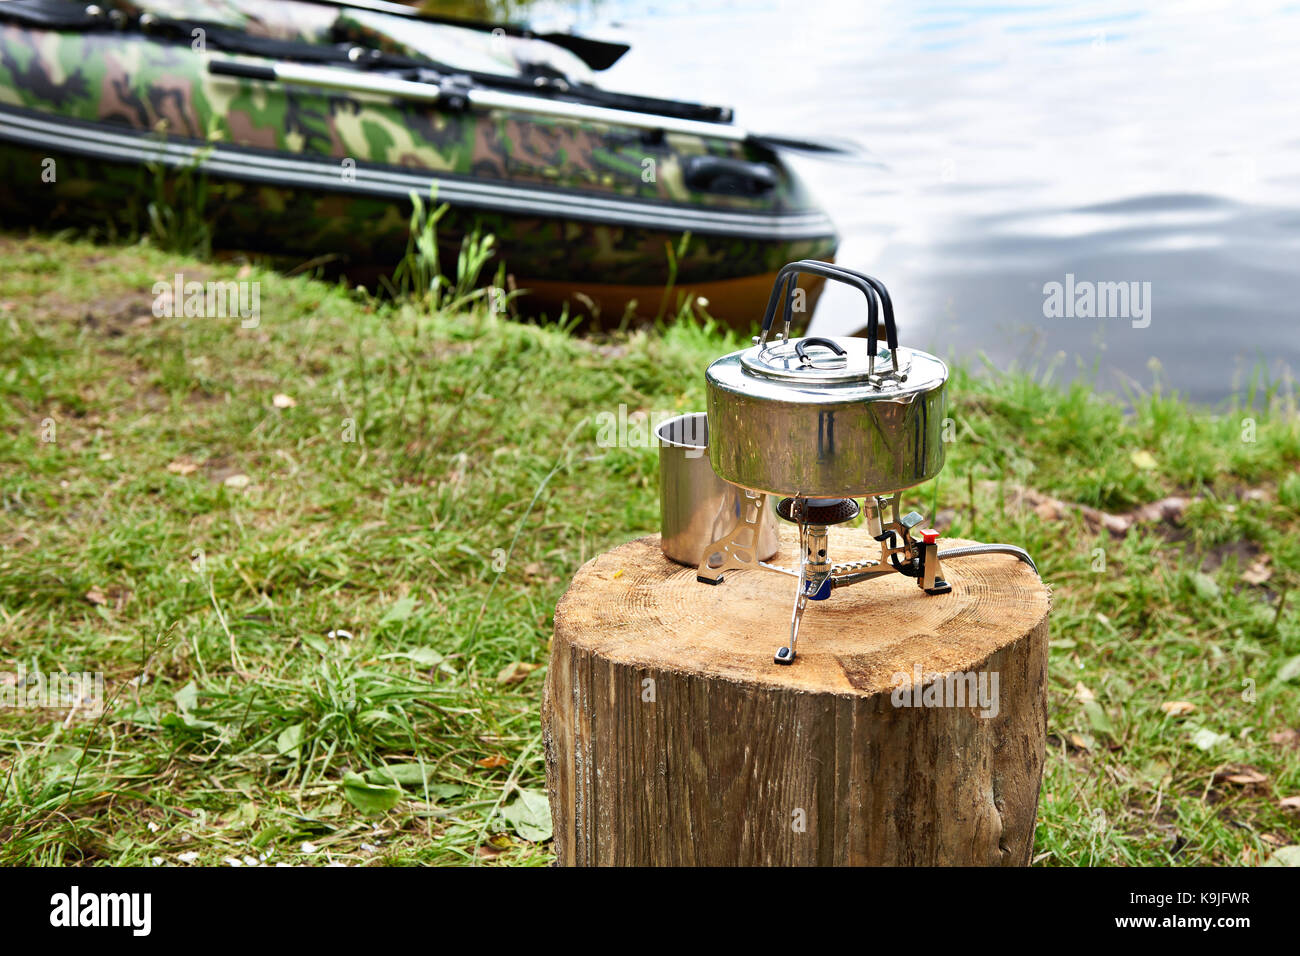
(309, 125)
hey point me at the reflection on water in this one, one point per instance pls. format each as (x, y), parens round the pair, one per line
(1014, 144)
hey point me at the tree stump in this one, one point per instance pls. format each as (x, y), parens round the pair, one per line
(673, 739)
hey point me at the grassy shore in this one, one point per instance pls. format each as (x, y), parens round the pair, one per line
(317, 560)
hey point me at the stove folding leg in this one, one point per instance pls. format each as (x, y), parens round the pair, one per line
(739, 546)
(786, 654)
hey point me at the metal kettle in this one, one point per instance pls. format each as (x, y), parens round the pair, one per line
(827, 417)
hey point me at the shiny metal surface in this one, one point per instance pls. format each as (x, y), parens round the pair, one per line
(808, 362)
(697, 508)
(830, 429)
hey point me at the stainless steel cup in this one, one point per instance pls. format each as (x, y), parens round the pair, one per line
(697, 507)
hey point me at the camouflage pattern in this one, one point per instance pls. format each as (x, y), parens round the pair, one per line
(127, 80)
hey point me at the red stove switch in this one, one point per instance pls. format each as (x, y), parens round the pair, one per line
(929, 536)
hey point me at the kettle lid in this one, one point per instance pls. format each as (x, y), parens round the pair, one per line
(818, 361)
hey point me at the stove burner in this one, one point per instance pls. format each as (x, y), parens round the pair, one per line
(817, 573)
(818, 511)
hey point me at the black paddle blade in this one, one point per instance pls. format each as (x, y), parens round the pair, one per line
(597, 54)
(830, 148)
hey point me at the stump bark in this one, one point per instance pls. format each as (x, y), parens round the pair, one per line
(673, 739)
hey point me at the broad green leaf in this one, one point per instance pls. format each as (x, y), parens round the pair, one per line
(1098, 719)
(317, 644)
(1117, 688)
(1207, 739)
(289, 741)
(1290, 669)
(370, 797)
(143, 716)
(185, 721)
(529, 814)
(187, 698)
(400, 611)
(403, 774)
(1143, 459)
(1284, 856)
(425, 656)
(245, 814)
(410, 775)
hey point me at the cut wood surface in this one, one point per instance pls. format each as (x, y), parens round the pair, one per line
(673, 738)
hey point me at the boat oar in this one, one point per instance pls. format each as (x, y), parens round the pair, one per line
(597, 54)
(458, 95)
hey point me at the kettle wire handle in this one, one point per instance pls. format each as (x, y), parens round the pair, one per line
(867, 285)
(801, 348)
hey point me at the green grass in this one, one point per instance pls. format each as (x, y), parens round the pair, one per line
(430, 490)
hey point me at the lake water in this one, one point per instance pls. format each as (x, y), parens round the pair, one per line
(1013, 144)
